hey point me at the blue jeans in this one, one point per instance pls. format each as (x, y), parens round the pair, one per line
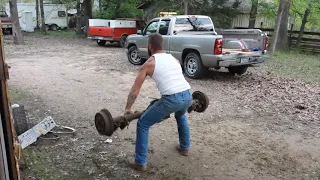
(176, 103)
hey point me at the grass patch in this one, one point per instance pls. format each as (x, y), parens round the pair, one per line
(16, 96)
(39, 164)
(295, 65)
(68, 33)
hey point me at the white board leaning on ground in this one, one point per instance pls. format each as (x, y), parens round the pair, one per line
(55, 15)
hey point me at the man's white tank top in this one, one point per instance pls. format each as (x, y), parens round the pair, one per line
(168, 75)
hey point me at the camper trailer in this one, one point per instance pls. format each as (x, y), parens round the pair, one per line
(55, 16)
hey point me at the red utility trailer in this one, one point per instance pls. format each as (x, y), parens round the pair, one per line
(103, 30)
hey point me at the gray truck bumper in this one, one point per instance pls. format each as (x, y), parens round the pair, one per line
(100, 38)
(213, 61)
(240, 62)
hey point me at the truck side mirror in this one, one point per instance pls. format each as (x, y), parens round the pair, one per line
(139, 32)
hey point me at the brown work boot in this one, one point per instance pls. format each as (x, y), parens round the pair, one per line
(183, 152)
(132, 163)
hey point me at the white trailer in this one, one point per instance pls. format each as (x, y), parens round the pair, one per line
(55, 15)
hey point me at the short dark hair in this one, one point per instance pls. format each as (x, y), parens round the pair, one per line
(156, 41)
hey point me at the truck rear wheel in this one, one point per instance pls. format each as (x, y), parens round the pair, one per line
(123, 41)
(237, 69)
(101, 42)
(193, 66)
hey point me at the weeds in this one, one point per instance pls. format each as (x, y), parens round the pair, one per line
(295, 65)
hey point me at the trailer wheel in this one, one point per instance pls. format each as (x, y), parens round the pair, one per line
(53, 27)
(46, 27)
(20, 120)
(101, 42)
(123, 40)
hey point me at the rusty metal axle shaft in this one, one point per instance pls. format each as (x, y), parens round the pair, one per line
(106, 124)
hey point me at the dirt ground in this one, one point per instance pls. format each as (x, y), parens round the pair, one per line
(256, 127)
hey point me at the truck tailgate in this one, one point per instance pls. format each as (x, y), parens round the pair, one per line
(234, 57)
(100, 31)
(254, 38)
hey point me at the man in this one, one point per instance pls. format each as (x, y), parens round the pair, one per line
(166, 71)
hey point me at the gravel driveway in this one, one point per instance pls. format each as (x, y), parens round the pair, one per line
(256, 126)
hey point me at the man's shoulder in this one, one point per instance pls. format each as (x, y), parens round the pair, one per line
(150, 62)
(149, 65)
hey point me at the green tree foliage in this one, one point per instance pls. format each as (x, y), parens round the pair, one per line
(221, 11)
(119, 9)
(299, 8)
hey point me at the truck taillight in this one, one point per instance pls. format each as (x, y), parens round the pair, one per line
(266, 44)
(218, 46)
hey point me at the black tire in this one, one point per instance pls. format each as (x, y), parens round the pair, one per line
(20, 120)
(101, 42)
(133, 56)
(238, 69)
(46, 27)
(122, 41)
(53, 27)
(193, 67)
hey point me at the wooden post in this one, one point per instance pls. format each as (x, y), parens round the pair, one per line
(290, 35)
(6, 119)
(4, 173)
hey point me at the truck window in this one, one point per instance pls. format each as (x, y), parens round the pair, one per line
(61, 14)
(152, 27)
(164, 26)
(193, 24)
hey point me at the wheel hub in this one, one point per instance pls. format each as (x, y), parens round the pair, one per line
(191, 66)
(134, 56)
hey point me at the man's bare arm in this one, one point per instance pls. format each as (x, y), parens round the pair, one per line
(135, 89)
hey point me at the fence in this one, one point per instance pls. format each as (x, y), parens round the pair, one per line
(309, 43)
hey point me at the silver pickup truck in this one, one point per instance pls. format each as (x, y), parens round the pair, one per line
(194, 41)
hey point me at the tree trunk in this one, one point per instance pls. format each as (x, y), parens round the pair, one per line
(282, 41)
(78, 18)
(87, 14)
(16, 30)
(253, 14)
(185, 3)
(37, 14)
(303, 25)
(100, 8)
(42, 19)
(276, 30)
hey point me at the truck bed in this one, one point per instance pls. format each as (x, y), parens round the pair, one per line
(241, 52)
(100, 31)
